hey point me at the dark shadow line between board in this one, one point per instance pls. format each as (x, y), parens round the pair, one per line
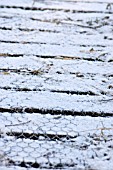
(53, 9)
(59, 57)
(35, 165)
(28, 29)
(36, 136)
(27, 42)
(69, 92)
(55, 112)
(45, 43)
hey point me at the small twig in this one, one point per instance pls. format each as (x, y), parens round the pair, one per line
(18, 124)
(103, 128)
(105, 100)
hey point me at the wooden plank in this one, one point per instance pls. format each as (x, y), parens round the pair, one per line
(51, 126)
(56, 89)
(42, 153)
(41, 44)
(54, 39)
(56, 103)
(57, 50)
(61, 85)
(65, 65)
(37, 74)
(82, 6)
(85, 23)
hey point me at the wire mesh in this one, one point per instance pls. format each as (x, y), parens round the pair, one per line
(56, 92)
(53, 141)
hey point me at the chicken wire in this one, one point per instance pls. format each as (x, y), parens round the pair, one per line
(53, 141)
(68, 68)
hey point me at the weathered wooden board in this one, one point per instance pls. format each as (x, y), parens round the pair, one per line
(43, 138)
(56, 84)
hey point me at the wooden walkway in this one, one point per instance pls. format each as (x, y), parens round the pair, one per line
(56, 84)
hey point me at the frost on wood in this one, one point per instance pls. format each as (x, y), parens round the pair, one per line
(56, 84)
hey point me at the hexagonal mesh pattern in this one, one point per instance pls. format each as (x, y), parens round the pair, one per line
(50, 141)
(56, 84)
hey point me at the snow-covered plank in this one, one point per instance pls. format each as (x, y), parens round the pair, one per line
(54, 66)
(57, 50)
(47, 41)
(56, 103)
(60, 65)
(46, 153)
(77, 83)
(58, 5)
(56, 75)
(61, 22)
(51, 126)
(54, 39)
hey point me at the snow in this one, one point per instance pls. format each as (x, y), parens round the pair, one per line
(55, 78)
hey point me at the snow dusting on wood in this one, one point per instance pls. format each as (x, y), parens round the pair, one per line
(56, 84)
